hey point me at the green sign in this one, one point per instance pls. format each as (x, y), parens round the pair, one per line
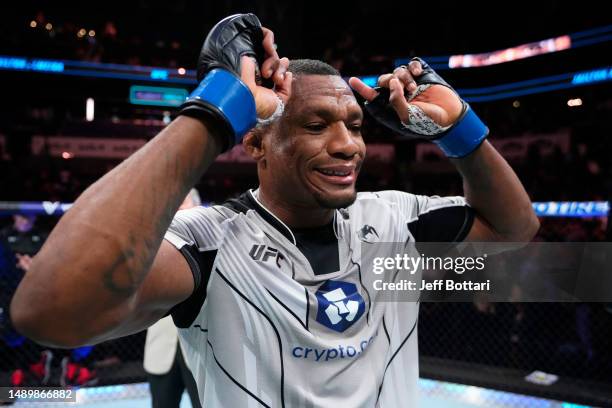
(157, 96)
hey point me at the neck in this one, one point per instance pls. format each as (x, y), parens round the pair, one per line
(293, 215)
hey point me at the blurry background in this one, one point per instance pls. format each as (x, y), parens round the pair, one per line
(84, 84)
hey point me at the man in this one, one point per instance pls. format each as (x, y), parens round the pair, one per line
(266, 289)
(164, 363)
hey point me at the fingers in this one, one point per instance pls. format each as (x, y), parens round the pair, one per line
(400, 73)
(279, 73)
(272, 61)
(405, 78)
(415, 68)
(383, 80)
(268, 42)
(362, 89)
(405, 74)
(398, 100)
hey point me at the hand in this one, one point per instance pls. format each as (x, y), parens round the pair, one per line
(273, 68)
(439, 102)
(24, 261)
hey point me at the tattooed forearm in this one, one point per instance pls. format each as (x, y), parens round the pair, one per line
(111, 235)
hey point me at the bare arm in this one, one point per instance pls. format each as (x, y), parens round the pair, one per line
(504, 211)
(85, 281)
(104, 271)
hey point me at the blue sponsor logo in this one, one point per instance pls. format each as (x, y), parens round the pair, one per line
(340, 305)
(332, 353)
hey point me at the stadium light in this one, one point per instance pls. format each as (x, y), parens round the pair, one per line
(89, 109)
(574, 102)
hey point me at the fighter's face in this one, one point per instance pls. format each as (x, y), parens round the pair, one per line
(316, 150)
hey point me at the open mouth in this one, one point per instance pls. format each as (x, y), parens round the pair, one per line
(335, 172)
(341, 175)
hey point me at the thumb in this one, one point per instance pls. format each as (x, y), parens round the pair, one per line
(362, 89)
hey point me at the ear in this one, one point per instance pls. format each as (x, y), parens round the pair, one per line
(253, 144)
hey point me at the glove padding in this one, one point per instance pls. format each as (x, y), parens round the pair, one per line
(422, 126)
(222, 99)
(229, 40)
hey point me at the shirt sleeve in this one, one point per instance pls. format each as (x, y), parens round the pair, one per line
(195, 233)
(433, 218)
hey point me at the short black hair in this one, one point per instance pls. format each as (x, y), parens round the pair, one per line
(311, 67)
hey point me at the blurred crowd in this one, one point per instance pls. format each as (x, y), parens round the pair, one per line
(512, 335)
(68, 39)
(569, 339)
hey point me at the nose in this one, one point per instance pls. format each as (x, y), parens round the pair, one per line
(343, 142)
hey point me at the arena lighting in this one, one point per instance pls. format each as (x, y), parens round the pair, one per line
(596, 75)
(574, 102)
(90, 109)
(181, 71)
(33, 24)
(516, 104)
(511, 54)
(157, 96)
(528, 87)
(536, 85)
(159, 74)
(67, 155)
(49, 26)
(570, 209)
(371, 80)
(564, 42)
(171, 75)
(24, 64)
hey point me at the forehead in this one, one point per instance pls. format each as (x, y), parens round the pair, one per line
(311, 89)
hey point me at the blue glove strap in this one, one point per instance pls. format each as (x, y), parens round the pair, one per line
(232, 97)
(463, 138)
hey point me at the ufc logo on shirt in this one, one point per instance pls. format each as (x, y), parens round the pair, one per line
(264, 253)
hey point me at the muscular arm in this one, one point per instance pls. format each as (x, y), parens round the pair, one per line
(491, 187)
(91, 279)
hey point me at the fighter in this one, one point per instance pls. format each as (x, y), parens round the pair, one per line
(267, 290)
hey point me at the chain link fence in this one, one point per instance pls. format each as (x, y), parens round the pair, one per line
(569, 340)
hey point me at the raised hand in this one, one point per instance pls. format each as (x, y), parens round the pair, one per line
(439, 102)
(273, 68)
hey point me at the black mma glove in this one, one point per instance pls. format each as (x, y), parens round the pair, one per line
(457, 140)
(222, 99)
